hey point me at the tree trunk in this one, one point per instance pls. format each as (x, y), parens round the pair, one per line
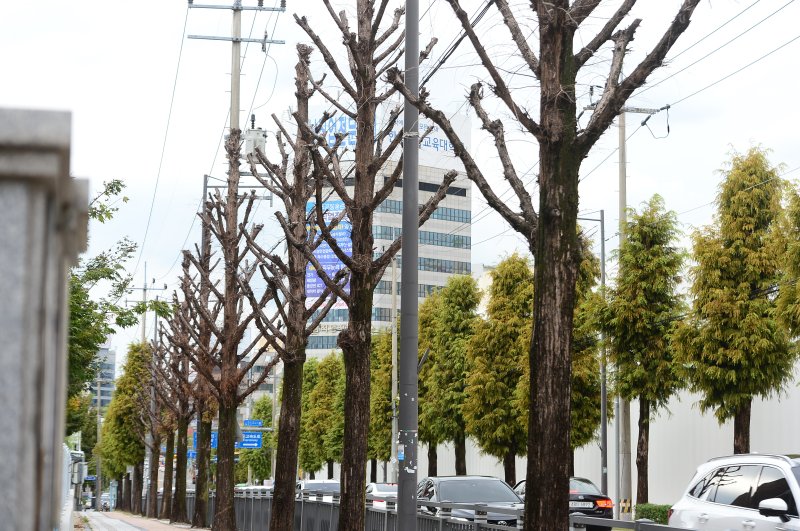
(138, 480)
(741, 429)
(642, 451)
(510, 467)
(572, 463)
(373, 470)
(224, 515)
(127, 491)
(282, 518)
(152, 483)
(203, 458)
(355, 346)
(120, 493)
(330, 469)
(556, 259)
(166, 494)
(178, 513)
(311, 475)
(460, 445)
(433, 461)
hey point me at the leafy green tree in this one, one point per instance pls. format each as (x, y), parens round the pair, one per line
(495, 358)
(427, 416)
(310, 458)
(733, 344)
(260, 459)
(454, 326)
(380, 414)
(642, 311)
(321, 440)
(122, 444)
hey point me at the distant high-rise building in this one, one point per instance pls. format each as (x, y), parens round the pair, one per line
(107, 360)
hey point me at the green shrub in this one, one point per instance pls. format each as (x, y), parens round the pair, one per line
(657, 513)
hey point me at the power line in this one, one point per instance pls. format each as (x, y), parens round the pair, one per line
(163, 145)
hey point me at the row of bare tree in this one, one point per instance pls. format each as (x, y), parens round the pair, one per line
(202, 365)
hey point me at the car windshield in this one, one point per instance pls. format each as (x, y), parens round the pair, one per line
(326, 487)
(476, 491)
(582, 486)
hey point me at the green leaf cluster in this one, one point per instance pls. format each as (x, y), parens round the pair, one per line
(322, 424)
(453, 325)
(122, 430)
(380, 407)
(644, 306)
(735, 346)
(496, 356)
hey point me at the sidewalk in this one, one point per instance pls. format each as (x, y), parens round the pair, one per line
(139, 522)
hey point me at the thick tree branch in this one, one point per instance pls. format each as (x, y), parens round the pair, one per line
(519, 38)
(604, 34)
(327, 56)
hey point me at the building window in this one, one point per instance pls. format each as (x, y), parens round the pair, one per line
(392, 206)
(441, 239)
(321, 342)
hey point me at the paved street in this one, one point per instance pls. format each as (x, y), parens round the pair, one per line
(119, 521)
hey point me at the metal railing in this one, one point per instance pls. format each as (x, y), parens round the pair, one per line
(319, 511)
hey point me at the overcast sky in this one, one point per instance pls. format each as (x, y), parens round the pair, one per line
(149, 106)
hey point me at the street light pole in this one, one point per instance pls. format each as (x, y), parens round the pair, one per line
(98, 477)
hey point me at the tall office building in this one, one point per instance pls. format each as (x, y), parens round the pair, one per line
(107, 359)
(445, 245)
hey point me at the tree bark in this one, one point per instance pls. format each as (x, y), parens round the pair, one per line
(510, 467)
(282, 518)
(169, 456)
(224, 515)
(136, 489)
(127, 491)
(203, 459)
(330, 469)
(460, 445)
(120, 493)
(556, 264)
(152, 487)
(741, 429)
(373, 470)
(178, 513)
(642, 451)
(572, 463)
(433, 461)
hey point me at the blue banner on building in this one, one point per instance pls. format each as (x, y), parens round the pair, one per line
(327, 259)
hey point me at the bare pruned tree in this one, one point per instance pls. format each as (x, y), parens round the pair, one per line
(222, 359)
(292, 182)
(550, 229)
(371, 48)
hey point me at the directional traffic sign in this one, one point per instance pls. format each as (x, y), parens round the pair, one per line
(90, 478)
(253, 423)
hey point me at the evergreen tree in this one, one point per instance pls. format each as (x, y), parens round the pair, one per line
(322, 421)
(495, 359)
(380, 414)
(734, 345)
(642, 312)
(427, 416)
(260, 459)
(309, 456)
(788, 300)
(454, 326)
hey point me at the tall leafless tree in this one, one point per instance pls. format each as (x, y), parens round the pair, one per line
(371, 48)
(292, 182)
(224, 354)
(550, 230)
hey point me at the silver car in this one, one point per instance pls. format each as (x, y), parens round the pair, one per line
(751, 492)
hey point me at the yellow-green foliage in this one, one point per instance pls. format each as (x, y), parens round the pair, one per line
(734, 346)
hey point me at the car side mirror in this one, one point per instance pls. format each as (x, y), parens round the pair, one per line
(774, 507)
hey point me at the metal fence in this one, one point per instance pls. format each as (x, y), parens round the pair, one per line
(319, 511)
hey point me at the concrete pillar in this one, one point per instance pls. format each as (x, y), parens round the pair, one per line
(43, 224)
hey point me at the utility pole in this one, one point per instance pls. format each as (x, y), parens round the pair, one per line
(603, 378)
(394, 370)
(98, 485)
(407, 435)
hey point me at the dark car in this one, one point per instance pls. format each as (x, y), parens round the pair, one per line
(493, 492)
(584, 497)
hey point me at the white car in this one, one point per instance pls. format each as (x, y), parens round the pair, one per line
(318, 489)
(380, 492)
(749, 492)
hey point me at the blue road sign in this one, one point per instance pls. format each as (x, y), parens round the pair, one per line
(253, 423)
(191, 454)
(213, 440)
(249, 444)
(252, 435)
(90, 478)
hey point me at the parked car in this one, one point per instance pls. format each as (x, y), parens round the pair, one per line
(380, 492)
(314, 486)
(747, 491)
(493, 492)
(584, 498)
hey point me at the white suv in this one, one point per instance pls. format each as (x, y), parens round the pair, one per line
(750, 492)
